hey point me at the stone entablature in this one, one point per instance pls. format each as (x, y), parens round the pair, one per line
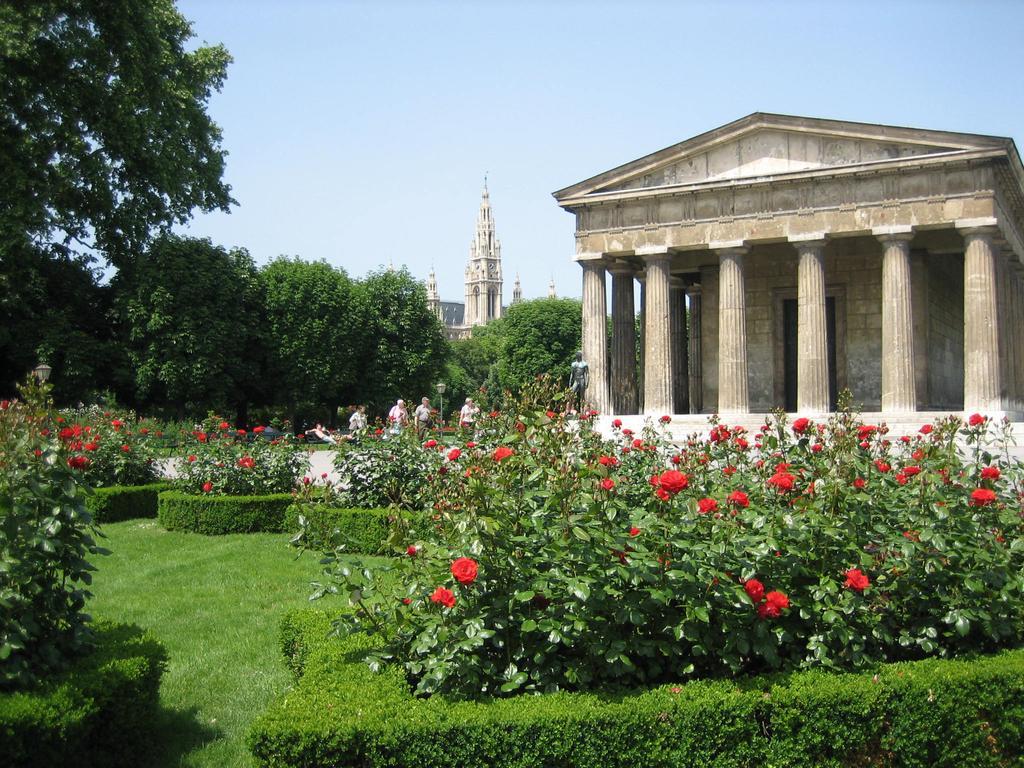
(775, 197)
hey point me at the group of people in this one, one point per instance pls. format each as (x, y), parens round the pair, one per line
(423, 416)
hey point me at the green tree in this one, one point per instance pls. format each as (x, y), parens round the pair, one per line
(474, 364)
(315, 341)
(406, 345)
(539, 336)
(190, 316)
(104, 134)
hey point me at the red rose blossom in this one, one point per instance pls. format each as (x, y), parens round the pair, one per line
(976, 420)
(207, 487)
(707, 505)
(754, 590)
(454, 453)
(78, 462)
(247, 462)
(665, 419)
(443, 597)
(856, 580)
(859, 483)
(126, 448)
(981, 497)
(672, 481)
(191, 458)
(607, 483)
(634, 531)
(617, 423)
(990, 473)
(412, 550)
(800, 425)
(430, 444)
(224, 425)
(925, 429)
(782, 481)
(739, 498)
(501, 453)
(259, 430)
(464, 570)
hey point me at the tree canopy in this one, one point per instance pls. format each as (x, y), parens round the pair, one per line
(540, 336)
(104, 133)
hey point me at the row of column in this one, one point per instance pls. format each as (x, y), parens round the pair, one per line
(671, 382)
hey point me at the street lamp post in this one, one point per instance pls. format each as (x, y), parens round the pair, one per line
(42, 372)
(441, 387)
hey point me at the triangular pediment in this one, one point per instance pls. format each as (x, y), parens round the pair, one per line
(762, 145)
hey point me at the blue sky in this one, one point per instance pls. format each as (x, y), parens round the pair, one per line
(360, 132)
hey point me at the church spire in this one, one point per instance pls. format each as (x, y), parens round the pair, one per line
(433, 297)
(483, 272)
(551, 289)
(517, 291)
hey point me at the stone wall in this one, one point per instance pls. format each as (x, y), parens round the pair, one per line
(945, 332)
(853, 277)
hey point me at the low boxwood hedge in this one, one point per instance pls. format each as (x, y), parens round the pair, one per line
(99, 712)
(124, 502)
(363, 531)
(215, 515)
(926, 713)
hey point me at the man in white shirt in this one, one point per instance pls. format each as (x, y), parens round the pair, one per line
(423, 417)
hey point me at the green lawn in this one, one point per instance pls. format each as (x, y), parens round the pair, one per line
(215, 603)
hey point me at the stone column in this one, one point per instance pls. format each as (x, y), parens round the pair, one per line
(899, 385)
(642, 279)
(1017, 329)
(657, 337)
(595, 334)
(982, 382)
(694, 377)
(677, 313)
(812, 331)
(624, 384)
(733, 395)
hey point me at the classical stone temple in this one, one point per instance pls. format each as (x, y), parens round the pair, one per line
(814, 256)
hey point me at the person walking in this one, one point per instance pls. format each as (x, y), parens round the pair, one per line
(357, 421)
(467, 415)
(423, 417)
(398, 417)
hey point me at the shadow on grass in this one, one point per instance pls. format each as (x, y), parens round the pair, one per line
(176, 733)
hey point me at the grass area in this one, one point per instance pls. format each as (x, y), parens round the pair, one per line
(215, 603)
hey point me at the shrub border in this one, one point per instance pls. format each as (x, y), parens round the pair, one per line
(114, 503)
(216, 515)
(99, 712)
(926, 713)
(357, 530)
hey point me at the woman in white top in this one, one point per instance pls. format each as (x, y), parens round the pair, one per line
(398, 416)
(357, 421)
(468, 413)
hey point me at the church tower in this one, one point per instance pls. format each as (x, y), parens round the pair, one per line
(517, 291)
(483, 272)
(433, 297)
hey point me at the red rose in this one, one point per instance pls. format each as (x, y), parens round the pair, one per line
(859, 483)
(430, 444)
(4, 405)
(224, 425)
(800, 425)
(247, 462)
(37, 453)
(259, 430)
(976, 420)
(707, 505)
(117, 424)
(501, 453)
(412, 550)
(741, 443)
(677, 459)
(464, 570)
(91, 446)
(739, 498)
(617, 423)
(201, 437)
(66, 433)
(607, 483)
(662, 494)
(241, 433)
(627, 432)
(634, 531)
(817, 448)
(126, 448)
(608, 461)
(443, 597)
(78, 462)
(454, 453)
(990, 473)
(782, 481)
(925, 429)
(856, 580)
(775, 603)
(191, 458)
(981, 497)
(207, 486)
(406, 601)
(882, 466)
(754, 590)
(471, 444)
(672, 481)
(665, 419)
(550, 414)
(911, 470)
(323, 475)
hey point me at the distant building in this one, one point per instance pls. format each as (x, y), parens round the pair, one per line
(483, 286)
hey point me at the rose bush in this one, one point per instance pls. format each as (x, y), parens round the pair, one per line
(811, 544)
(225, 461)
(109, 448)
(385, 469)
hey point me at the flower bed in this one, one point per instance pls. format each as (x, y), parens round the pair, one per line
(100, 712)
(926, 713)
(549, 558)
(124, 502)
(213, 515)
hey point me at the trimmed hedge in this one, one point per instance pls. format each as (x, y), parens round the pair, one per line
(926, 713)
(100, 712)
(124, 502)
(214, 515)
(363, 531)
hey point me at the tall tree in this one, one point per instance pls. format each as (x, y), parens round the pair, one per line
(104, 134)
(407, 348)
(316, 329)
(540, 336)
(189, 312)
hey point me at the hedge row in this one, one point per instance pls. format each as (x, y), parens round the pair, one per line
(365, 531)
(927, 713)
(124, 502)
(100, 712)
(215, 515)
